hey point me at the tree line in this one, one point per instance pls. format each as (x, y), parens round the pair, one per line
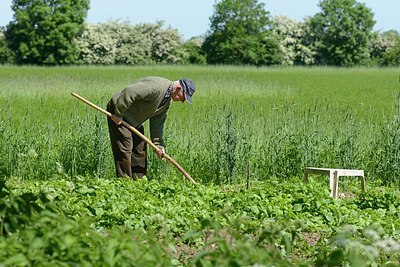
(242, 32)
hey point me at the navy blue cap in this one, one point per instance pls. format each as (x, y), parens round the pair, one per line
(188, 88)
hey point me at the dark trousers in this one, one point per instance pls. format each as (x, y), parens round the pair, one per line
(129, 150)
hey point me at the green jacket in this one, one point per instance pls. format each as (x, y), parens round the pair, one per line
(138, 102)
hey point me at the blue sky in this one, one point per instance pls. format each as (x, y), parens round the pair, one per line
(191, 17)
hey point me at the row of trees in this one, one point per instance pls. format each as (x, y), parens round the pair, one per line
(54, 32)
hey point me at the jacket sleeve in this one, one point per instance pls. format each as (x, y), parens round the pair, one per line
(157, 129)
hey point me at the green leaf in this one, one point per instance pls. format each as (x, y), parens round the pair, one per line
(16, 260)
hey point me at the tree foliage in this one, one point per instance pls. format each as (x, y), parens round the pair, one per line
(291, 35)
(195, 53)
(343, 31)
(122, 43)
(386, 48)
(240, 34)
(6, 54)
(45, 31)
(392, 56)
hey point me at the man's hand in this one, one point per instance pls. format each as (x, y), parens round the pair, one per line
(160, 153)
(116, 119)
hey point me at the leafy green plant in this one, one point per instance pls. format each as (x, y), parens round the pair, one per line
(93, 220)
(360, 248)
(16, 210)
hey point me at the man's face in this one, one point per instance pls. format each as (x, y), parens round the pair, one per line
(178, 95)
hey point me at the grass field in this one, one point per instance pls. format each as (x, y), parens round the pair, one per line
(279, 120)
(246, 139)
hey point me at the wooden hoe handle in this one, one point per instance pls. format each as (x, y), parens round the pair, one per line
(144, 138)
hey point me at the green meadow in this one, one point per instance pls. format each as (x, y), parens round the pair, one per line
(271, 121)
(246, 140)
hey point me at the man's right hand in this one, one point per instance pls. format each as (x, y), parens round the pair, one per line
(116, 119)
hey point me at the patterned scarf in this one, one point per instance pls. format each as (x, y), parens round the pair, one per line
(166, 96)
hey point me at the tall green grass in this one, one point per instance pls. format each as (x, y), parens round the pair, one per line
(244, 122)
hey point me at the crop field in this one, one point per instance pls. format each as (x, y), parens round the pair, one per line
(246, 140)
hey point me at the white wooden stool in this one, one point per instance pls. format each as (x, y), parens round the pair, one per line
(334, 175)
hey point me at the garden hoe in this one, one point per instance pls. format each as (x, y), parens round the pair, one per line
(127, 125)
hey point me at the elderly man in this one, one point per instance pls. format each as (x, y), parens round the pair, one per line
(146, 99)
